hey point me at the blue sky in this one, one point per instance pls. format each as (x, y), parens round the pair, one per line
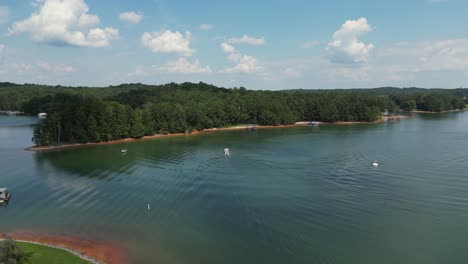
(276, 44)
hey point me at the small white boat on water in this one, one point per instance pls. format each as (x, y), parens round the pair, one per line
(226, 152)
(375, 163)
(123, 150)
(4, 196)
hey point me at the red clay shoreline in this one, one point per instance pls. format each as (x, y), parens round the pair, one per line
(240, 127)
(88, 249)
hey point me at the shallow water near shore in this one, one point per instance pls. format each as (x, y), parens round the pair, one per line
(295, 195)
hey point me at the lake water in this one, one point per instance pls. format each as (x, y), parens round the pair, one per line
(296, 195)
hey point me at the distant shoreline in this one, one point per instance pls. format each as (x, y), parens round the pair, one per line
(441, 112)
(232, 128)
(11, 112)
(240, 127)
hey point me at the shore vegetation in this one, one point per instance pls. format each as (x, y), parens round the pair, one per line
(77, 115)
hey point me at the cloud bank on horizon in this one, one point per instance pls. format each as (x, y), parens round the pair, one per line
(81, 42)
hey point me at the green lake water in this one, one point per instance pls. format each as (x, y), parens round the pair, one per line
(296, 195)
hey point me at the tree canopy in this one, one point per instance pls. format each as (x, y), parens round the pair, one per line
(12, 253)
(80, 115)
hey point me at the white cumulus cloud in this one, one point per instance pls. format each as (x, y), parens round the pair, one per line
(227, 48)
(183, 65)
(245, 39)
(345, 46)
(167, 42)
(65, 22)
(443, 55)
(131, 17)
(246, 64)
(234, 55)
(87, 20)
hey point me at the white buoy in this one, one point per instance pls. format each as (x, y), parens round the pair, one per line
(149, 208)
(226, 151)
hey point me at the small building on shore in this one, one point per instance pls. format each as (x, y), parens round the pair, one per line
(42, 115)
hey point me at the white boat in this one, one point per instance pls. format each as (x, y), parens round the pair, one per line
(4, 196)
(124, 151)
(375, 163)
(226, 152)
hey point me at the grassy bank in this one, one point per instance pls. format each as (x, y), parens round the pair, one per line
(48, 255)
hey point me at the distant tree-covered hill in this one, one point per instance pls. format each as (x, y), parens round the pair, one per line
(385, 91)
(13, 96)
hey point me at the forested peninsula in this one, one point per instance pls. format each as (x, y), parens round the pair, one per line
(83, 115)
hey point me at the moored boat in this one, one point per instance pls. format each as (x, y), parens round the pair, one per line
(252, 127)
(4, 196)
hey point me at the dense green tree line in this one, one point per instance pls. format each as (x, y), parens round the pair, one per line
(174, 108)
(14, 96)
(432, 102)
(80, 114)
(75, 118)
